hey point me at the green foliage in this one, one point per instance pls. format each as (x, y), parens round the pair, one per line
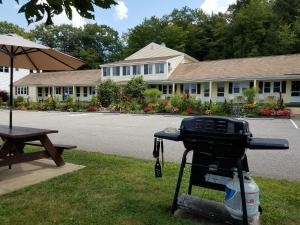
(135, 88)
(152, 95)
(175, 100)
(250, 94)
(93, 43)
(19, 101)
(94, 101)
(35, 11)
(108, 92)
(8, 28)
(4, 96)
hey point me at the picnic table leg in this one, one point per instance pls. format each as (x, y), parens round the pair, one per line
(45, 141)
(7, 149)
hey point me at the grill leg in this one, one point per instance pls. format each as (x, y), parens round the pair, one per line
(243, 196)
(183, 162)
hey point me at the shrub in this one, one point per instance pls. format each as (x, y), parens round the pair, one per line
(69, 104)
(4, 96)
(250, 95)
(250, 109)
(20, 101)
(42, 106)
(108, 92)
(175, 110)
(266, 112)
(135, 88)
(32, 105)
(188, 110)
(152, 95)
(94, 102)
(176, 100)
(283, 112)
(162, 105)
(187, 102)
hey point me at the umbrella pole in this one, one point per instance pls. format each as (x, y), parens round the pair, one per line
(11, 90)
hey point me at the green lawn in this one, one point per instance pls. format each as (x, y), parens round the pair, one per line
(120, 190)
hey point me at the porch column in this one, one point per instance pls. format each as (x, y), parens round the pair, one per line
(210, 90)
(173, 89)
(53, 91)
(74, 93)
(254, 83)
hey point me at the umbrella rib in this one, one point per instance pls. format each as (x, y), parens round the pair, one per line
(58, 60)
(30, 60)
(16, 49)
(31, 50)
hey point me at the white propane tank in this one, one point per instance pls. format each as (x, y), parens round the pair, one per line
(233, 200)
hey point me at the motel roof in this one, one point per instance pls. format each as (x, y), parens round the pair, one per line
(65, 78)
(241, 68)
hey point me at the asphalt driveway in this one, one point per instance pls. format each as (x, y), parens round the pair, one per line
(132, 135)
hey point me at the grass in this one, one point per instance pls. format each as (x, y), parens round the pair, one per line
(121, 190)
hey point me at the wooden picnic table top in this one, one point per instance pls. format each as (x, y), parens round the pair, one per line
(23, 132)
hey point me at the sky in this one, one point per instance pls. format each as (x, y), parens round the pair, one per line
(125, 15)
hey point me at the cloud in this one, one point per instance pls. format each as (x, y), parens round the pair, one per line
(215, 6)
(77, 20)
(121, 11)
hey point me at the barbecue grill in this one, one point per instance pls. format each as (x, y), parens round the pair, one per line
(219, 148)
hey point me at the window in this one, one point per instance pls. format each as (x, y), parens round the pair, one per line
(92, 90)
(236, 88)
(165, 89)
(251, 84)
(46, 91)
(295, 88)
(17, 69)
(58, 90)
(159, 68)
(85, 91)
(126, 70)
(106, 71)
(277, 86)
(198, 88)
(267, 87)
(220, 89)
(136, 70)
(6, 70)
(78, 92)
(230, 88)
(206, 90)
(193, 88)
(169, 67)
(116, 71)
(283, 86)
(148, 69)
(40, 92)
(1, 69)
(260, 87)
(186, 88)
(170, 89)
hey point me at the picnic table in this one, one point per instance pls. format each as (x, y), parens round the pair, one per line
(15, 139)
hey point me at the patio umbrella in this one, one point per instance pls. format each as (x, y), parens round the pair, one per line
(17, 52)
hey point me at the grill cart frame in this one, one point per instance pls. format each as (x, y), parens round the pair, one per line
(218, 144)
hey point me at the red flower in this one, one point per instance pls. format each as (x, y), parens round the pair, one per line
(164, 102)
(266, 112)
(188, 110)
(283, 112)
(175, 110)
(92, 108)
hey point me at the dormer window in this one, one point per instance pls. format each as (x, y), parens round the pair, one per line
(126, 70)
(159, 68)
(136, 70)
(106, 71)
(116, 71)
(148, 69)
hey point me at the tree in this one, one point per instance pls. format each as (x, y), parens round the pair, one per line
(108, 92)
(93, 43)
(36, 10)
(155, 30)
(6, 28)
(135, 88)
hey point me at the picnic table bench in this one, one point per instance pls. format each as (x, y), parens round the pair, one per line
(16, 138)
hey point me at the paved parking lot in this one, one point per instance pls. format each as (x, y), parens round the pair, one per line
(132, 135)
